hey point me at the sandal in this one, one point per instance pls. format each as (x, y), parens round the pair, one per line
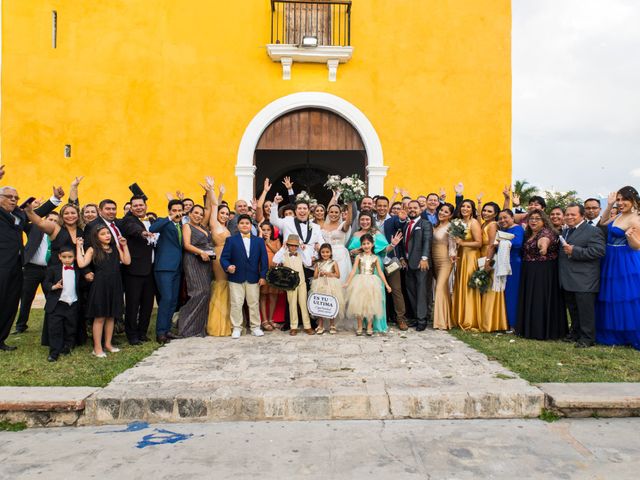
(358, 332)
(369, 331)
(319, 330)
(266, 326)
(332, 329)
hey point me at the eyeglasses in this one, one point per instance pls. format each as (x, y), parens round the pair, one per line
(10, 197)
(535, 219)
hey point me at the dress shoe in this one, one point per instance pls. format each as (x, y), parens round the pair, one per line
(144, 338)
(309, 331)
(52, 358)
(236, 333)
(569, 339)
(293, 332)
(402, 325)
(66, 351)
(19, 331)
(7, 348)
(421, 326)
(581, 344)
(411, 323)
(135, 342)
(173, 336)
(162, 339)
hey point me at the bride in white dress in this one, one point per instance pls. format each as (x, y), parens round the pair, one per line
(335, 232)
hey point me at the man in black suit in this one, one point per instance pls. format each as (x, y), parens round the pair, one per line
(107, 211)
(139, 284)
(391, 227)
(416, 254)
(583, 246)
(13, 223)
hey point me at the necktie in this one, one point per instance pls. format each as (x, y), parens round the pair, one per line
(569, 232)
(409, 231)
(179, 229)
(115, 230)
(66, 267)
(47, 256)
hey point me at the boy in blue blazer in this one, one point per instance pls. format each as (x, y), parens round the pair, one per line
(244, 258)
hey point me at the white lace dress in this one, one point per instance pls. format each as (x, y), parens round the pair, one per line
(337, 239)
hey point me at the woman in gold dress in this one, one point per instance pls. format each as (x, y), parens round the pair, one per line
(443, 250)
(219, 322)
(467, 306)
(494, 312)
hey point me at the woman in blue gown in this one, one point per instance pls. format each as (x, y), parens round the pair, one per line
(618, 307)
(507, 223)
(380, 248)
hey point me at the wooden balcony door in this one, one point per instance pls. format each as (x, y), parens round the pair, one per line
(308, 19)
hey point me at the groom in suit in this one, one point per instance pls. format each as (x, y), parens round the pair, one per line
(244, 258)
(167, 268)
(416, 253)
(583, 246)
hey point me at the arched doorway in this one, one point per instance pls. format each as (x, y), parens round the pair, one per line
(308, 145)
(245, 166)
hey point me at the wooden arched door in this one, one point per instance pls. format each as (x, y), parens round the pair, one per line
(308, 145)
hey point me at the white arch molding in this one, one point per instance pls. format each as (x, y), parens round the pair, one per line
(245, 168)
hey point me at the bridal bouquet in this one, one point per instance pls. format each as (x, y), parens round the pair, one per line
(352, 189)
(457, 228)
(304, 196)
(480, 280)
(333, 182)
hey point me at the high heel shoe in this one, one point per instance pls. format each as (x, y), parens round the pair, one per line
(99, 355)
(358, 332)
(369, 331)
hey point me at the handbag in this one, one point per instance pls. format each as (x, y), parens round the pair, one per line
(392, 265)
(283, 277)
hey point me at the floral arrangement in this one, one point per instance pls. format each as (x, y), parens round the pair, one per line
(352, 189)
(480, 280)
(305, 197)
(457, 228)
(333, 182)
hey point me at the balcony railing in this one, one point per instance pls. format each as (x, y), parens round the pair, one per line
(327, 20)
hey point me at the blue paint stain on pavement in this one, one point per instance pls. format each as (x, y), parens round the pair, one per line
(132, 427)
(161, 437)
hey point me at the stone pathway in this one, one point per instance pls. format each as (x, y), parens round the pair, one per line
(278, 377)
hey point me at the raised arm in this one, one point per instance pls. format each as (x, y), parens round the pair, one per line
(50, 228)
(274, 219)
(349, 219)
(73, 191)
(605, 218)
(263, 196)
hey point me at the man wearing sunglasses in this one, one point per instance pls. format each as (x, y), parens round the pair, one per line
(13, 223)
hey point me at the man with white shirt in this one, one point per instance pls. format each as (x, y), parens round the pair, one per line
(107, 212)
(13, 223)
(36, 258)
(308, 232)
(592, 211)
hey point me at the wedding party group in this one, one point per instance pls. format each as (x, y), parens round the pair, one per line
(221, 269)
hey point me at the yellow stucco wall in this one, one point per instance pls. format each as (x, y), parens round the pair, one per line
(161, 91)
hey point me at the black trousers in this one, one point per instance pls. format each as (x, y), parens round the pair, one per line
(139, 292)
(33, 276)
(62, 326)
(10, 290)
(582, 309)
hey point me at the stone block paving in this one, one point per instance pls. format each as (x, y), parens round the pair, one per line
(428, 375)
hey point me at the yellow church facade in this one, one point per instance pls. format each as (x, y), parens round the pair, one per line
(409, 93)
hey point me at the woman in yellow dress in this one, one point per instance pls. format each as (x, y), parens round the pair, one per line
(467, 306)
(494, 312)
(443, 250)
(219, 322)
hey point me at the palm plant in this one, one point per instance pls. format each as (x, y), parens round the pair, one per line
(524, 190)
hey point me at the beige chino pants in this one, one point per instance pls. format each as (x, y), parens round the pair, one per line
(238, 293)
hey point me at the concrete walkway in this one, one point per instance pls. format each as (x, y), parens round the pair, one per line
(426, 375)
(329, 450)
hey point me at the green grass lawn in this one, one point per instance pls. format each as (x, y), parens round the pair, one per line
(28, 366)
(556, 361)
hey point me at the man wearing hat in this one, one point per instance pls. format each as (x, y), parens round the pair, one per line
(296, 257)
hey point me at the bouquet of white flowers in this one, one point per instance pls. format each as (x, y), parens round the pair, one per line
(457, 229)
(480, 280)
(304, 196)
(333, 182)
(352, 189)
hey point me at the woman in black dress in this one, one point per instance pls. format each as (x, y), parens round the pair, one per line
(106, 295)
(541, 311)
(198, 272)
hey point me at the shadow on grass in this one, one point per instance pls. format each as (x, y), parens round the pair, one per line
(28, 366)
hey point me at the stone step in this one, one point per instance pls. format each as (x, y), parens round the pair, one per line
(44, 406)
(426, 375)
(593, 399)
